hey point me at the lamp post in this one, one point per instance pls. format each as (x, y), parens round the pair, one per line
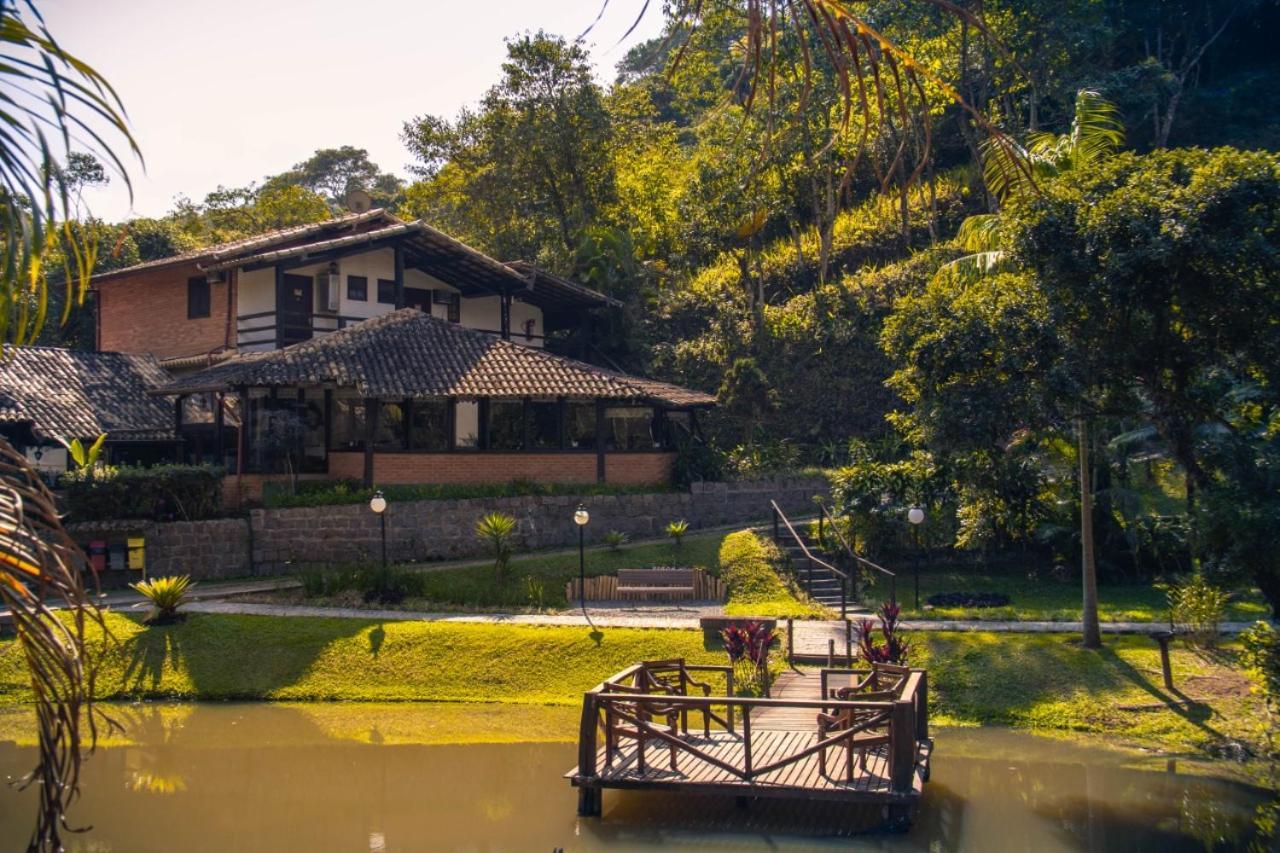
(378, 504)
(580, 518)
(915, 515)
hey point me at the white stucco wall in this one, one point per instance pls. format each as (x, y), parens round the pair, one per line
(256, 294)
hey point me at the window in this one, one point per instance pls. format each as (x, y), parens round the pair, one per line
(386, 291)
(506, 424)
(452, 303)
(629, 428)
(544, 425)
(197, 297)
(429, 425)
(580, 426)
(467, 424)
(357, 288)
(390, 434)
(347, 430)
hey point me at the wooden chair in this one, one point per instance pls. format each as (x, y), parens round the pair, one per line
(869, 730)
(617, 728)
(673, 678)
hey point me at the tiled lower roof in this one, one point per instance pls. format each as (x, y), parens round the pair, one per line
(409, 353)
(74, 394)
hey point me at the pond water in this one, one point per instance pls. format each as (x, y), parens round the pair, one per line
(382, 777)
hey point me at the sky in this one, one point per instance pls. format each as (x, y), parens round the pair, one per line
(228, 92)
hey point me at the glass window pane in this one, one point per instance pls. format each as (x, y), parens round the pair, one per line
(629, 428)
(580, 426)
(468, 424)
(389, 436)
(544, 425)
(506, 424)
(347, 432)
(313, 450)
(429, 425)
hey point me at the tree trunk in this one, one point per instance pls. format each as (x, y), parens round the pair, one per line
(1092, 632)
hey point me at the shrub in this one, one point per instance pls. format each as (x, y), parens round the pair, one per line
(166, 595)
(969, 599)
(161, 493)
(1196, 608)
(338, 492)
(748, 649)
(749, 566)
(677, 529)
(1262, 657)
(390, 585)
(615, 539)
(894, 649)
(323, 583)
(536, 590)
(497, 529)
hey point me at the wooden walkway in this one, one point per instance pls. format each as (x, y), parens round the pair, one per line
(761, 748)
(791, 684)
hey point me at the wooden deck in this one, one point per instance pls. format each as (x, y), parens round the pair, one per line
(801, 779)
(758, 747)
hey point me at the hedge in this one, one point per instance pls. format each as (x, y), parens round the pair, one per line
(751, 566)
(160, 493)
(335, 492)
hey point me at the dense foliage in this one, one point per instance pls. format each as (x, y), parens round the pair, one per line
(869, 290)
(162, 493)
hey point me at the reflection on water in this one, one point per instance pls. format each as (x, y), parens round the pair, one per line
(378, 778)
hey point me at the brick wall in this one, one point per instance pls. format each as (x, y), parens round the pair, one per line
(147, 312)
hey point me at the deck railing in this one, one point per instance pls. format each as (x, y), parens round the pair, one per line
(635, 698)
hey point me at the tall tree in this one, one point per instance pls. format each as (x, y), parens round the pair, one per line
(1013, 172)
(334, 173)
(528, 171)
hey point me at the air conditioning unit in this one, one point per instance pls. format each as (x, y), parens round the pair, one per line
(328, 287)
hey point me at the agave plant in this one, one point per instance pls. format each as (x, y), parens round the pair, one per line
(498, 529)
(615, 539)
(166, 595)
(677, 529)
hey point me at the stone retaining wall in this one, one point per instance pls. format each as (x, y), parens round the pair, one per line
(285, 540)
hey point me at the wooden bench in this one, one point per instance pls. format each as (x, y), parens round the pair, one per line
(655, 581)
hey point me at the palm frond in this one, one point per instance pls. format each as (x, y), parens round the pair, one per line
(41, 567)
(52, 102)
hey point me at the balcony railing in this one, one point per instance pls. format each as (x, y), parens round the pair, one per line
(272, 329)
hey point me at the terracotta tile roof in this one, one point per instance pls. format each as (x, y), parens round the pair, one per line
(75, 394)
(408, 353)
(210, 255)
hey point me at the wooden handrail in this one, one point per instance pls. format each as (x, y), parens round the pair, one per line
(858, 558)
(800, 541)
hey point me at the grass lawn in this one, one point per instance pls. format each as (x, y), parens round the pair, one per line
(538, 581)
(1043, 599)
(1038, 681)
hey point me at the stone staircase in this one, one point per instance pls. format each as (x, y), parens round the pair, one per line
(815, 567)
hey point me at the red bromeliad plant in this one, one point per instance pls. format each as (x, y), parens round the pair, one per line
(894, 649)
(751, 641)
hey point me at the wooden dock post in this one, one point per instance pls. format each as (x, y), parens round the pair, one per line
(848, 642)
(791, 643)
(589, 795)
(902, 745)
(831, 654)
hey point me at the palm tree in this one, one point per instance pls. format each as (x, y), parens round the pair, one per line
(53, 101)
(1011, 170)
